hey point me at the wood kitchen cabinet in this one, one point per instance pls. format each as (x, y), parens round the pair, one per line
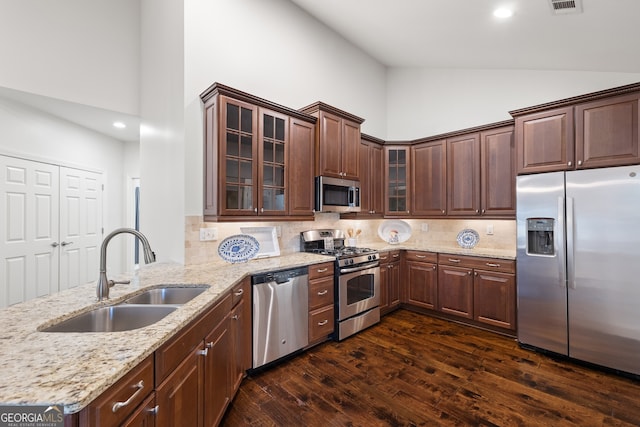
(396, 178)
(257, 156)
(321, 302)
(594, 130)
(463, 175)
(497, 172)
(421, 279)
(478, 288)
(371, 178)
(544, 141)
(429, 178)
(337, 141)
(390, 274)
(127, 401)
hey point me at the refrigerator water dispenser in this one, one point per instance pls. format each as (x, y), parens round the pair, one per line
(540, 236)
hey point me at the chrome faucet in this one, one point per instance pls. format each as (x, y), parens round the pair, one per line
(103, 283)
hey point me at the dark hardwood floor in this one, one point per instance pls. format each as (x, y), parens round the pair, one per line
(412, 370)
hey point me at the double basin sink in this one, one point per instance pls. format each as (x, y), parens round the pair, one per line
(135, 312)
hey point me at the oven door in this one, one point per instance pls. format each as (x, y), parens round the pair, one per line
(358, 291)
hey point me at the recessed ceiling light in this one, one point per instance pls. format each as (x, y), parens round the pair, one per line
(119, 125)
(503, 12)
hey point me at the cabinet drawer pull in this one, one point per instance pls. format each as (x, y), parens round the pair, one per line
(322, 270)
(203, 352)
(395, 255)
(234, 317)
(119, 405)
(454, 260)
(323, 292)
(154, 410)
(421, 256)
(324, 322)
(209, 344)
(491, 264)
(382, 258)
(239, 292)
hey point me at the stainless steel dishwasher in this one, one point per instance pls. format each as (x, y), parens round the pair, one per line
(280, 314)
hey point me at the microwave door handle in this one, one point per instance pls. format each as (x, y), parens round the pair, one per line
(352, 196)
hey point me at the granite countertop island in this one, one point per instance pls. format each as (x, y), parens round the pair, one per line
(73, 369)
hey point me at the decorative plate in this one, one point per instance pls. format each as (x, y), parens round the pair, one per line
(394, 231)
(468, 238)
(238, 248)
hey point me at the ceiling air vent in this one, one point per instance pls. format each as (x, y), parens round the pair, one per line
(562, 7)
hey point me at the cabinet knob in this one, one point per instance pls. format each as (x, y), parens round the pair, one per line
(483, 211)
(469, 273)
(475, 273)
(433, 268)
(569, 163)
(203, 352)
(477, 211)
(579, 162)
(442, 210)
(255, 210)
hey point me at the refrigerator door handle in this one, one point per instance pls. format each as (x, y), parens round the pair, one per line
(560, 243)
(571, 271)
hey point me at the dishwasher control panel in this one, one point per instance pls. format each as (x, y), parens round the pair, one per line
(279, 276)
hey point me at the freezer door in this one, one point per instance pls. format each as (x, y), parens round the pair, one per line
(603, 220)
(541, 267)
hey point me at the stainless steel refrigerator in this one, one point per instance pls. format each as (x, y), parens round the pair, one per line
(578, 264)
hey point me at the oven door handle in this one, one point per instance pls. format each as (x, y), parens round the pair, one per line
(358, 268)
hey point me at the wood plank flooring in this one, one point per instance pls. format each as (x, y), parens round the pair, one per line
(415, 370)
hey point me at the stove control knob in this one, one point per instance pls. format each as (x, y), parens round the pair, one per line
(351, 261)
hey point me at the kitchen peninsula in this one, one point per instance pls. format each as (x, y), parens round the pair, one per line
(73, 369)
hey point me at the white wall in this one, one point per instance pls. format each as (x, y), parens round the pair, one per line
(31, 134)
(426, 102)
(77, 50)
(162, 158)
(272, 49)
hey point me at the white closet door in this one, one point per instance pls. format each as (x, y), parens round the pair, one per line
(29, 230)
(80, 226)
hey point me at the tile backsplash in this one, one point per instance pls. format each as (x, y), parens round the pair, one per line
(441, 232)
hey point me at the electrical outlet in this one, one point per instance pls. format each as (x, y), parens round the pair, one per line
(424, 226)
(208, 234)
(490, 229)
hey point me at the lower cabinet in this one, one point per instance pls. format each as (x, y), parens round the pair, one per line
(390, 273)
(476, 288)
(190, 380)
(421, 279)
(455, 290)
(321, 302)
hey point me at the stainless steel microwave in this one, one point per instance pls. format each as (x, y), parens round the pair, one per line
(337, 195)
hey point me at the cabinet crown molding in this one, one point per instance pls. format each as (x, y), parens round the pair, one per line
(220, 89)
(620, 90)
(321, 106)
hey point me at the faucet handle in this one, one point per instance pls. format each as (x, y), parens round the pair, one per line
(114, 282)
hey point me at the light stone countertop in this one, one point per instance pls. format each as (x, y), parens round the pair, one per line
(73, 369)
(509, 254)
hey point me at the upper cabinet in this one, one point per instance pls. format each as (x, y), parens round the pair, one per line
(463, 175)
(258, 158)
(498, 172)
(396, 178)
(594, 130)
(429, 178)
(337, 141)
(371, 180)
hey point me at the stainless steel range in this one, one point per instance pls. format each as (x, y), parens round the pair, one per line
(357, 280)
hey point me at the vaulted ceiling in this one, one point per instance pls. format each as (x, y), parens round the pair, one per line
(604, 35)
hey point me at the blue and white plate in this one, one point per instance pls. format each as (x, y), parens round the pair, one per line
(238, 248)
(468, 238)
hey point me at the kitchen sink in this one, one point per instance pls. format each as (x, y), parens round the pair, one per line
(114, 318)
(167, 294)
